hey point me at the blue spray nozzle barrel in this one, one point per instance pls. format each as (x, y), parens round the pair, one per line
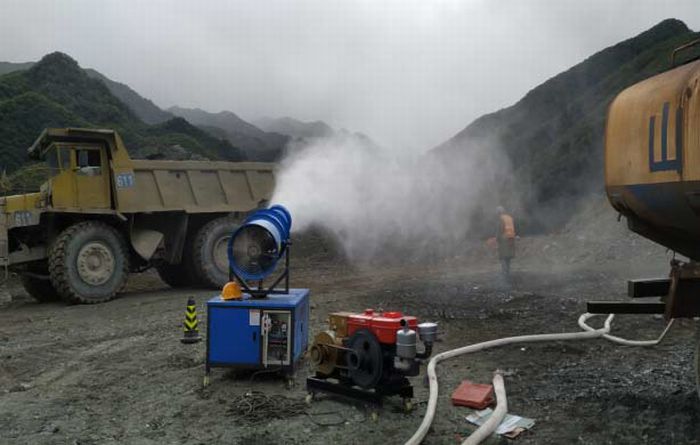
(256, 246)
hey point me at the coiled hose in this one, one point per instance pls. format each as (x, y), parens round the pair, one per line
(490, 426)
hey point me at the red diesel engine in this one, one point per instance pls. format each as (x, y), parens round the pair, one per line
(369, 355)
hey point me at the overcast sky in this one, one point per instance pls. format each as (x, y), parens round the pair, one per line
(408, 73)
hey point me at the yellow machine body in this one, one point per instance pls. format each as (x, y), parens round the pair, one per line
(652, 158)
(91, 176)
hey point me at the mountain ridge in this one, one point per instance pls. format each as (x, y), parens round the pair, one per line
(294, 127)
(259, 144)
(553, 136)
(57, 92)
(144, 108)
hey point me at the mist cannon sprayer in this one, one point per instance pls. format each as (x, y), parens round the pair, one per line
(256, 247)
(258, 327)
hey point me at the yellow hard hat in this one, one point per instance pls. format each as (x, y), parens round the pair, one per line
(231, 291)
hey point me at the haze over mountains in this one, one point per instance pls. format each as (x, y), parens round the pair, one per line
(265, 139)
(294, 128)
(146, 110)
(258, 144)
(553, 137)
(56, 91)
(551, 140)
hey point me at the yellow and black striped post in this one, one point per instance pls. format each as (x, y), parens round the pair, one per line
(191, 329)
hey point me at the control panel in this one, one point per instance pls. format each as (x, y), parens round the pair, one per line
(277, 340)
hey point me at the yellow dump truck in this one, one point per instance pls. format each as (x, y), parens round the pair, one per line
(101, 215)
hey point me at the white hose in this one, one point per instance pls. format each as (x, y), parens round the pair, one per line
(624, 341)
(588, 333)
(488, 427)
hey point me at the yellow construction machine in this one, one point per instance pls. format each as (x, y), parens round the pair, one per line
(101, 215)
(652, 177)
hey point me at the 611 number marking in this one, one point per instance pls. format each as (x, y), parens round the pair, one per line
(125, 180)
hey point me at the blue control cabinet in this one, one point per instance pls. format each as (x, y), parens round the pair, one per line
(270, 332)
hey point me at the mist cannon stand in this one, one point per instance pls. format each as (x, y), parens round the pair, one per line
(259, 333)
(258, 289)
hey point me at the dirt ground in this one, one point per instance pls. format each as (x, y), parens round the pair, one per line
(117, 373)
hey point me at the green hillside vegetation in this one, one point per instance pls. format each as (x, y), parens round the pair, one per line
(26, 179)
(144, 108)
(256, 144)
(553, 137)
(56, 92)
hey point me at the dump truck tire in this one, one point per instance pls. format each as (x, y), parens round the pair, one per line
(40, 288)
(209, 258)
(88, 263)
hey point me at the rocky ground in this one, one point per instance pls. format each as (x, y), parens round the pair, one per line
(117, 373)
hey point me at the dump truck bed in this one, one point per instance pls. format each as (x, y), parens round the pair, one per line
(193, 186)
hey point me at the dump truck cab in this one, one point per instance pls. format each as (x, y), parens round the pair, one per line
(80, 176)
(87, 168)
(84, 167)
(101, 214)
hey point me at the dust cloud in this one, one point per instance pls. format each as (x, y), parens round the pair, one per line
(380, 203)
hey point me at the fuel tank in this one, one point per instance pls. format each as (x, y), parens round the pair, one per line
(652, 158)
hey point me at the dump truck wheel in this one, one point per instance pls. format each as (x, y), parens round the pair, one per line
(88, 263)
(38, 284)
(209, 256)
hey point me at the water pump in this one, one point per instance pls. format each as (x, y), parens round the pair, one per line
(368, 356)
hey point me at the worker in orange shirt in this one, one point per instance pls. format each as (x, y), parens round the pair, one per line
(506, 241)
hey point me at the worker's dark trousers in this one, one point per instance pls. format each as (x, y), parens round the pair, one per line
(505, 269)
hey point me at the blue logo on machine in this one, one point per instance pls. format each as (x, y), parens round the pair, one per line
(666, 162)
(125, 180)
